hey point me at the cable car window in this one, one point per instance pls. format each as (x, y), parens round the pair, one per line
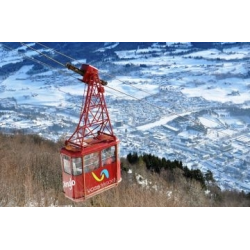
(91, 162)
(77, 166)
(108, 156)
(66, 164)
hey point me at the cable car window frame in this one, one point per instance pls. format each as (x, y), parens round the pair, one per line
(107, 154)
(66, 162)
(91, 162)
(76, 166)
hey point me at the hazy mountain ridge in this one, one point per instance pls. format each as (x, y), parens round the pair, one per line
(90, 47)
(94, 52)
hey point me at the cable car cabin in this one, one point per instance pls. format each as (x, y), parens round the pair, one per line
(90, 159)
(92, 170)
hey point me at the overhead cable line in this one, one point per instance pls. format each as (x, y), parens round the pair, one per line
(45, 65)
(164, 109)
(77, 78)
(104, 73)
(58, 52)
(50, 58)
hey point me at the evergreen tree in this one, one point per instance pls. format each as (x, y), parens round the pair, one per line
(209, 176)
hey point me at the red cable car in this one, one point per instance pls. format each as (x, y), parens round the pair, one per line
(90, 158)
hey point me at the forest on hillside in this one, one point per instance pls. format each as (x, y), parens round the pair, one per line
(30, 175)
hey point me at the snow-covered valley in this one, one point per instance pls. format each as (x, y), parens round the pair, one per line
(173, 102)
